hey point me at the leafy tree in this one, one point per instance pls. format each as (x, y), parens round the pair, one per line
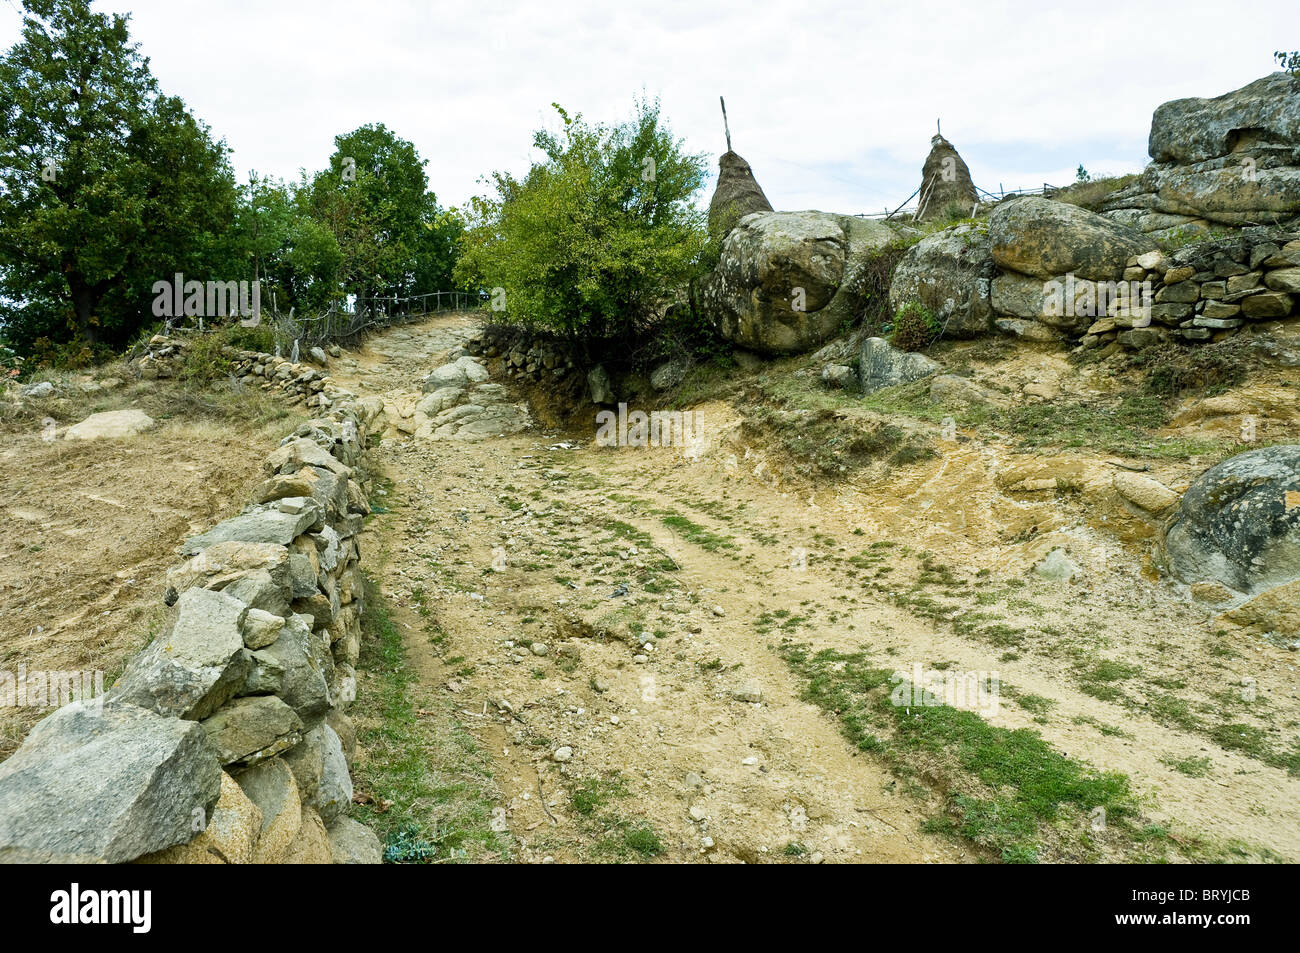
(105, 184)
(1289, 61)
(597, 237)
(374, 198)
(297, 258)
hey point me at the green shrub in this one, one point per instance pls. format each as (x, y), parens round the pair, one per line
(204, 360)
(874, 280)
(1170, 370)
(598, 237)
(915, 327)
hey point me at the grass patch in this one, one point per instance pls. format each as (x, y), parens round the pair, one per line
(1008, 790)
(431, 794)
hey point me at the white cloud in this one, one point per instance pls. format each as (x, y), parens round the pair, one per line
(832, 103)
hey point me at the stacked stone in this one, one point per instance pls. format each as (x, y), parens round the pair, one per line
(227, 739)
(1209, 291)
(299, 383)
(534, 359)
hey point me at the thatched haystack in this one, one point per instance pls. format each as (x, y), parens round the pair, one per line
(738, 193)
(945, 183)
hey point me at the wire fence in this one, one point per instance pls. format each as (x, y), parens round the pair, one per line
(295, 333)
(344, 324)
(910, 208)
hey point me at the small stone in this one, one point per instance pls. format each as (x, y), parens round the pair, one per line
(538, 648)
(698, 813)
(719, 611)
(1057, 567)
(563, 754)
(260, 628)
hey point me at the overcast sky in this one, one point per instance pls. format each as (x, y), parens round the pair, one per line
(833, 104)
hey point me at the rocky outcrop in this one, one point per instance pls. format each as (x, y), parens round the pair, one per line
(786, 282)
(1261, 117)
(1239, 525)
(1232, 160)
(249, 682)
(462, 402)
(951, 273)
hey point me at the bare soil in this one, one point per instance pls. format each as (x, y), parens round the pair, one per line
(631, 605)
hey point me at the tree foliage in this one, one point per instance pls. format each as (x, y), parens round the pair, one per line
(597, 236)
(106, 185)
(394, 239)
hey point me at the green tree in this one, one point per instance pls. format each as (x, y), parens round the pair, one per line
(105, 184)
(1289, 61)
(297, 258)
(374, 198)
(598, 237)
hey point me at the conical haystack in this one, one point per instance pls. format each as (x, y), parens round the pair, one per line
(946, 187)
(738, 193)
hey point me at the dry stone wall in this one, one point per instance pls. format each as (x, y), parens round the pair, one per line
(299, 383)
(227, 739)
(1208, 291)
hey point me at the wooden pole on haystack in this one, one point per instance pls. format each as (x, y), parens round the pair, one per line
(725, 128)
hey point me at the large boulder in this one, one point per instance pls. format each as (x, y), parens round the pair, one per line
(1043, 238)
(882, 365)
(105, 784)
(1261, 116)
(786, 282)
(110, 424)
(1239, 523)
(950, 273)
(196, 665)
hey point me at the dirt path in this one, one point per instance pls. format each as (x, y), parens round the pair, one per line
(610, 624)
